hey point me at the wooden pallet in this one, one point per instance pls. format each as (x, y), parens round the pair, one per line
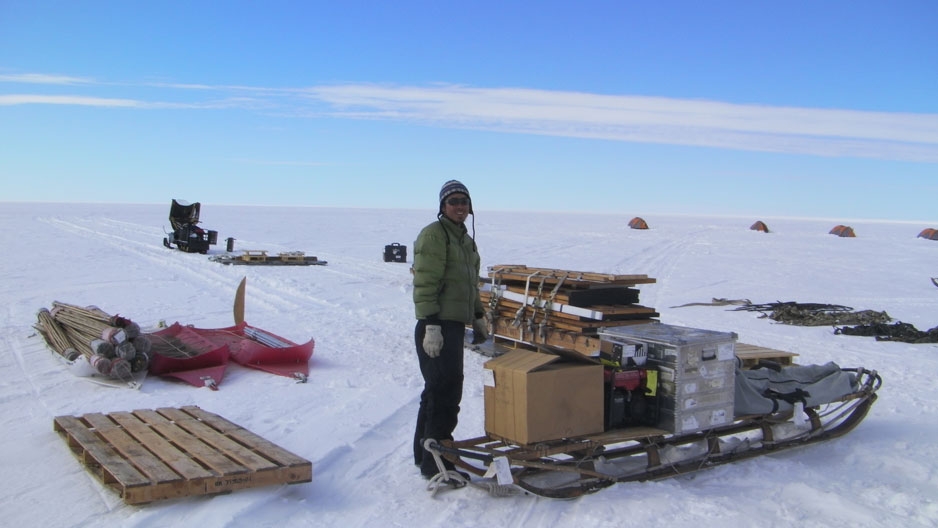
(150, 455)
(750, 355)
(294, 256)
(253, 255)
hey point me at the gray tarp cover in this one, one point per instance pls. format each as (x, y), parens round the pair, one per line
(822, 383)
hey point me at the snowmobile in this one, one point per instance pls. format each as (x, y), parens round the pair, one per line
(773, 420)
(187, 236)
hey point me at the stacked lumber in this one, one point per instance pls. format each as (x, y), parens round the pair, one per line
(114, 346)
(560, 308)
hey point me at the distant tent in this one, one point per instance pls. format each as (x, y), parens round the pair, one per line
(759, 226)
(929, 233)
(843, 231)
(638, 223)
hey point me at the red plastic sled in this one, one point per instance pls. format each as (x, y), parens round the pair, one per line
(199, 355)
(181, 352)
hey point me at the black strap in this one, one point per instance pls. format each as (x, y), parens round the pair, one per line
(797, 395)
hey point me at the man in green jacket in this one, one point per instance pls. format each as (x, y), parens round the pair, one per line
(446, 299)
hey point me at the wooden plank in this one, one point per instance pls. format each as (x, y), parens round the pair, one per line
(145, 461)
(512, 344)
(254, 255)
(160, 447)
(258, 443)
(218, 441)
(751, 354)
(552, 276)
(97, 454)
(193, 446)
(578, 443)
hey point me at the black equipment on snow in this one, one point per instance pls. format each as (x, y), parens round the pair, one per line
(395, 253)
(187, 235)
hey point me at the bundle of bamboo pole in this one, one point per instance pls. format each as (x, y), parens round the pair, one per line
(55, 335)
(113, 345)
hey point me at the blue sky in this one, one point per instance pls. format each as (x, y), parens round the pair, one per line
(802, 108)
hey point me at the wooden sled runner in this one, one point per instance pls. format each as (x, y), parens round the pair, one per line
(572, 467)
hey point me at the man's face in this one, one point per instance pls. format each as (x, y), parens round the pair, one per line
(456, 207)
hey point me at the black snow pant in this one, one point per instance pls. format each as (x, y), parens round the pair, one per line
(442, 390)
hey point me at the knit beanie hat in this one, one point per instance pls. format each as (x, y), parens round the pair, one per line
(453, 187)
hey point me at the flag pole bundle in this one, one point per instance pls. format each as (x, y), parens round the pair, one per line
(114, 346)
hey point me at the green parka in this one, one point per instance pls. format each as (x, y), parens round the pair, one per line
(446, 273)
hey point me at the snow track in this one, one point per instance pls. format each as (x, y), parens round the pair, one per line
(354, 417)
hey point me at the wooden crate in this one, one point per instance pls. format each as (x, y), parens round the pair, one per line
(150, 455)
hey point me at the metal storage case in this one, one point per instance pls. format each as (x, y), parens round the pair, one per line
(696, 372)
(682, 422)
(714, 376)
(395, 253)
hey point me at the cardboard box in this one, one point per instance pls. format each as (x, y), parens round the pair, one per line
(534, 397)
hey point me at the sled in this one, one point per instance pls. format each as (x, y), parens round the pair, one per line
(202, 354)
(183, 353)
(572, 467)
(243, 344)
(251, 257)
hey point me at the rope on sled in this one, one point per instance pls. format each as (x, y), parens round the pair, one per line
(452, 479)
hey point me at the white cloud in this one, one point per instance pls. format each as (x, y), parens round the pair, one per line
(75, 100)
(812, 131)
(42, 78)
(794, 130)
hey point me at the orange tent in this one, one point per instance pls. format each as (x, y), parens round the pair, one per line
(843, 231)
(759, 226)
(638, 223)
(929, 233)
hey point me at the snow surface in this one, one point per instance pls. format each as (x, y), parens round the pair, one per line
(354, 418)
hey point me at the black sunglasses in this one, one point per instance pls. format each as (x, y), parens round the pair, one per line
(457, 201)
